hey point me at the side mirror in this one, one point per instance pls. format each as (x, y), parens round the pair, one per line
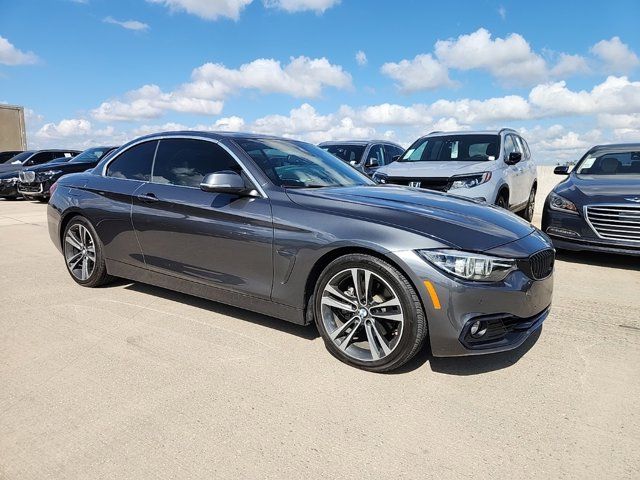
(373, 162)
(514, 157)
(224, 182)
(561, 170)
(395, 158)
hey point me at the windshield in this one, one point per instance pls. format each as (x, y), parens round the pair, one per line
(90, 155)
(348, 153)
(453, 148)
(21, 157)
(610, 163)
(293, 164)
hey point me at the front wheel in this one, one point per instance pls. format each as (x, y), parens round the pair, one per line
(528, 211)
(368, 313)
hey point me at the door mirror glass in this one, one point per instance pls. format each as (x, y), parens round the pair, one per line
(373, 162)
(561, 170)
(224, 182)
(514, 157)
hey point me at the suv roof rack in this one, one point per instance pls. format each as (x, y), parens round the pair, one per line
(431, 133)
(507, 129)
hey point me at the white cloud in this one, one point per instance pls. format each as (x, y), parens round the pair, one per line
(212, 83)
(10, 55)
(318, 6)
(207, 9)
(568, 65)
(361, 58)
(134, 25)
(509, 59)
(421, 73)
(616, 56)
(502, 12)
(614, 95)
(301, 77)
(150, 102)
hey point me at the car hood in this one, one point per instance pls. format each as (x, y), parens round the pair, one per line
(10, 168)
(459, 222)
(600, 188)
(435, 169)
(64, 166)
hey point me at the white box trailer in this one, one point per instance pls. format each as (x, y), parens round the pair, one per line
(12, 130)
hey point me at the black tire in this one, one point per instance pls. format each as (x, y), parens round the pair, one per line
(528, 211)
(99, 275)
(12, 198)
(43, 199)
(502, 200)
(414, 329)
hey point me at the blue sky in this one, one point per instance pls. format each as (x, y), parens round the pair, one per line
(95, 71)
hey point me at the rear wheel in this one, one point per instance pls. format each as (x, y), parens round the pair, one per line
(368, 313)
(83, 254)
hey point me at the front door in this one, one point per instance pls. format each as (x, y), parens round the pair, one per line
(212, 238)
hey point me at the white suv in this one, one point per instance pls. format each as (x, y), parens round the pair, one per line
(494, 166)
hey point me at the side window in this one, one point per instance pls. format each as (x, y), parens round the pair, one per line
(185, 162)
(509, 146)
(376, 152)
(526, 153)
(134, 163)
(39, 158)
(392, 151)
(519, 147)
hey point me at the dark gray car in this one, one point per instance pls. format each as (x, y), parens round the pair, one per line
(365, 155)
(597, 207)
(283, 228)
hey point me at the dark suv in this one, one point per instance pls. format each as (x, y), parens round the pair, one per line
(365, 155)
(9, 170)
(35, 182)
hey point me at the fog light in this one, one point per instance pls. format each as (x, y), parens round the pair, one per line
(478, 329)
(563, 232)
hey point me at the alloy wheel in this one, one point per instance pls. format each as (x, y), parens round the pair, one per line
(80, 251)
(362, 314)
(531, 205)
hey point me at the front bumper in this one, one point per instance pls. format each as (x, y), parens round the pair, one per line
(34, 190)
(9, 190)
(572, 232)
(517, 306)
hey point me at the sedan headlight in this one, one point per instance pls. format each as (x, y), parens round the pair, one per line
(470, 266)
(9, 181)
(470, 181)
(49, 173)
(379, 178)
(557, 202)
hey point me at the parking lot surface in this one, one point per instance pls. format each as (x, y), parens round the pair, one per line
(133, 381)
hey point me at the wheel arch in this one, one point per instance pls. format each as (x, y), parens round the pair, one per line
(322, 262)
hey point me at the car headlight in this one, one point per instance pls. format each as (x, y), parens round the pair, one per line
(9, 181)
(379, 177)
(470, 181)
(557, 202)
(470, 266)
(49, 173)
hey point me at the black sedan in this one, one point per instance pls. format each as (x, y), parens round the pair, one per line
(284, 228)
(35, 182)
(598, 206)
(10, 169)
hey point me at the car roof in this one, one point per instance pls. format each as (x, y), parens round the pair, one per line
(616, 146)
(468, 132)
(357, 142)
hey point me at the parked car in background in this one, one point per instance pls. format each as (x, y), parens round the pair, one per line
(283, 228)
(494, 167)
(35, 182)
(365, 155)
(9, 170)
(8, 155)
(598, 206)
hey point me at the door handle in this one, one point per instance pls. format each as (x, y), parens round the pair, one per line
(148, 198)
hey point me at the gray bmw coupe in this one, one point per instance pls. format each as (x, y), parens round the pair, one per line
(283, 228)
